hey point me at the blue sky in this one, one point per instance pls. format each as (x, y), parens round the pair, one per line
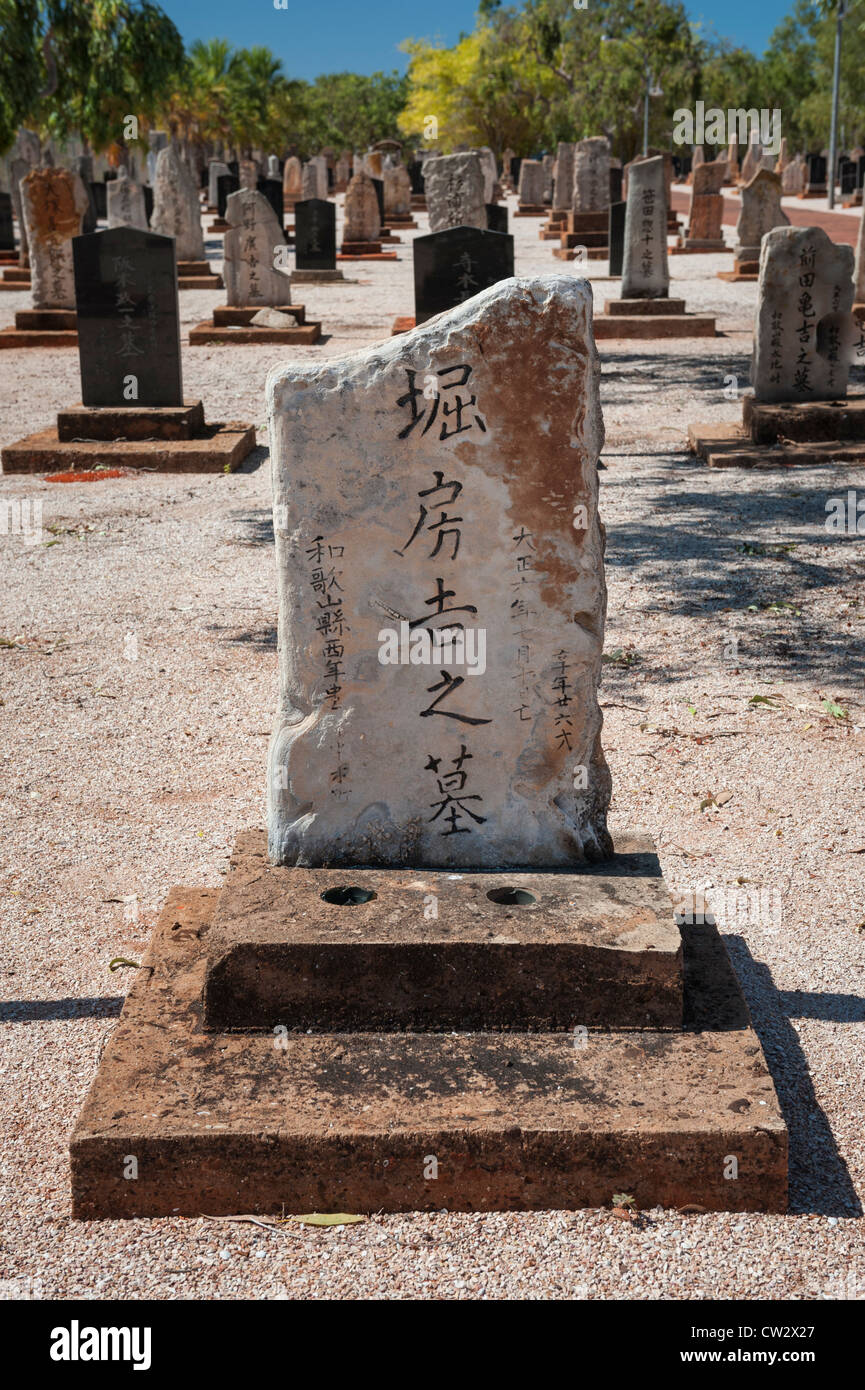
(350, 35)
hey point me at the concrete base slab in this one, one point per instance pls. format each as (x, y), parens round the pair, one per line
(531, 210)
(87, 423)
(731, 446)
(318, 277)
(208, 332)
(200, 282)
(654, 326)
(367, 256)
(340, 950)
(219, 449)
(38, 337)
(804, 422)
(650, 308)
(223, 1123)
(734, 276)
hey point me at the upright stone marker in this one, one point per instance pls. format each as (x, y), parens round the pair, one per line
(362, 218)
(315, 234)
(451, 266)
(397, 192)
(438, 525)
(455, 192)
(176, 209)
(250, 242)
(226, 184)
(646, 271)
(215, 170)
(54, 203)
(616, 237)
(128, 319)
(125, 202)
(292, 181)
(248, 174)
(531, 185)
(7, 231)
(591, 191)
(752, 162)
(563, 182)
(706, 212)
(804, 277)
(272, 190)
(18, 171)
(761, 212)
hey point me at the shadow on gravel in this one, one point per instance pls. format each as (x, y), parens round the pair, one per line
(262, 639)
(254, 459)
(700, 373)
(734, 553)
(257, 527)
(819, 1178)
(59, 1010)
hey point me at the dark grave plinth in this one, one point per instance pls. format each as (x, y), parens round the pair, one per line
(315, 243)
(456, 264)
(132, 412)
(15, 277)
(35, 328)
(531, 210)
(526, 1120)
(236, 324)
(272, 190)
(651, 318)
(364, 251)
(816, 185)
(497, 217)
(7, 231)
(99, 194)
(788, 434)
(616, 236)
(554, 226)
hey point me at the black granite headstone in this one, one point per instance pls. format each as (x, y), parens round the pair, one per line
(515, 171)
(415, 173)
(848, 177)
(109, 175)
(817, 164)
(233, 167)
(860, 171)
(226, 184)
(272, 190)
(616, 183)
(148, 200)
(128, 318)
(378, 185)
(497, 217)
(7, 235)
(99, 198)
(454, 265)
(331, 179)
(687, 164)
(616, 236)
(315, 234)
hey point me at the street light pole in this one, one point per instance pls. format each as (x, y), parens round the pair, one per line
(836, 84)
(646, 111)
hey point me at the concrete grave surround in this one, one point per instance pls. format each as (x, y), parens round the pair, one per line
(563, 180)
(646, 272)
(53, 202)
(397, 190)
(362, 219)
(591, 191)
(176, 209)
(248, 269)
(475, 505)
(531, 185)
(125, 201)
(761, 212)
(803, 278)
(454, 185)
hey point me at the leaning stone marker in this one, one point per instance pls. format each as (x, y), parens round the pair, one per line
(455, 192)
(54, 203)
(804, 277)
(645, 272)
(176, 210)
(440, 522)
(451, 266)
(128, 319)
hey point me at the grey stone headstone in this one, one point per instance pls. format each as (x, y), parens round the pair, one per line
(646, 271)
(454, 186)
(249, 251)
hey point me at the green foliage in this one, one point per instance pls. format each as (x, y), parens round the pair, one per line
(21, 71)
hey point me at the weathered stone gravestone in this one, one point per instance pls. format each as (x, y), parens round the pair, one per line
(157, 141)
(18, 170)
(248, 174)
(752, 162)
(313, 181)
(804, 277)
(591, 191)
(548, 162)
(531, 186)
(273, 169)
(761, 212)
(215, 170)
(859, 272)
(646, 272)
(489, 170)
(397, 193)
(793, 178)
(54, 203)
(128, 318)
(733, 162)
(454, 265)
(7, 231)
(176, 210)
(362, 217)
(466, 552)
(783, 156)
(292, 181)
(706, 212)
(125, 202)
(454, 185)
(250, 246)
(315, 234)
(563, 182)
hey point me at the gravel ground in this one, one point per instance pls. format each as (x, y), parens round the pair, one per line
(137, 686)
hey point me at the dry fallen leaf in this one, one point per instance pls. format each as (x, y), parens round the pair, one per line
(317, 1218)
